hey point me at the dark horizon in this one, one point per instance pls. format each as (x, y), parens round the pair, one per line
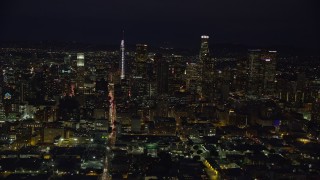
(217, 49)
(267, 23)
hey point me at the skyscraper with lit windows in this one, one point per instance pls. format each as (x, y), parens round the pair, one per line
(80, 72)
(261, 71)
(207, 70)
(162, 72)
(141, 56)
(122, 63)
(204, 49)
(269, 60)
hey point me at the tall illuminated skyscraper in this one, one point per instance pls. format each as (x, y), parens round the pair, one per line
(261, 71)
(269, 61)
(122, 64)
(80, 59)
(141, 52)
(254, 72)
(141, 57)
(80, 72)
(162, 72)
(207, 70)
(204, 49)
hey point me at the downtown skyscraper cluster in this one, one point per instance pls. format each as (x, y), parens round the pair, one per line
(147, 113)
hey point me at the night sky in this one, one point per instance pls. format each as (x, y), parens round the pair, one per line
(179, 22)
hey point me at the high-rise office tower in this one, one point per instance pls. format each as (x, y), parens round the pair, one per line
(2, 113)
(162, 71)
(80, 72)
(141, 52)
(80, 59)
(315, 113)
(262, 71)
(204, 49)
(254, 71)
(9, 76)
(193, 77)
(177, 68)
(268, 59)
(207, 70)
(122, 63)
(139, 80)
(141, 57)
(67, 59)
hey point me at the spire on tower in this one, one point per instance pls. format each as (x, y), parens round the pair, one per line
(122, 64)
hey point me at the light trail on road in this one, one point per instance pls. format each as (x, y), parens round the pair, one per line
(112, 136)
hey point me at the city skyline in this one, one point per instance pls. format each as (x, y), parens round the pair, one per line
(195, 90)
(148, 114)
